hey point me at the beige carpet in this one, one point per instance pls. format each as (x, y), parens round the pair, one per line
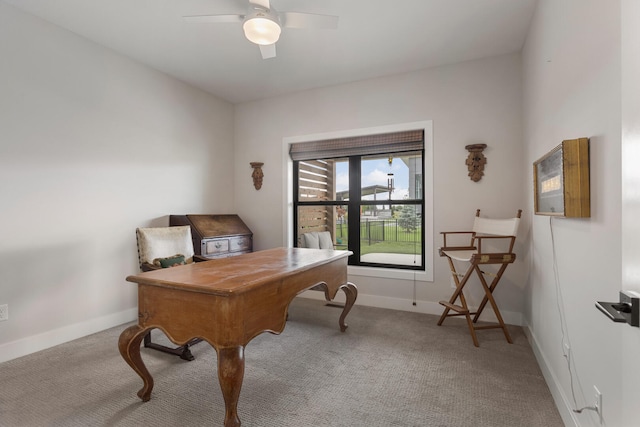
(390, 368)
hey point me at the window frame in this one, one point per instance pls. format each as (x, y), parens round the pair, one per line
(397, 272)
(355, 203)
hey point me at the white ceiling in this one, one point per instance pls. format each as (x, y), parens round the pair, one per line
(374, 38)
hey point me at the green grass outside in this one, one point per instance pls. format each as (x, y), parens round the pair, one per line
(388, 246)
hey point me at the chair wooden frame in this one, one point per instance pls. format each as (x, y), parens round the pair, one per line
(488, 230)
(180, 240)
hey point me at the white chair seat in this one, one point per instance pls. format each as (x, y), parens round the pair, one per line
(158, 244)
(464, 255)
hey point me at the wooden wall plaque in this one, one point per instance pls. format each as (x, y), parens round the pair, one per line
(561, 181)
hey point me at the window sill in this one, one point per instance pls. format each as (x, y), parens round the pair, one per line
(388, 273)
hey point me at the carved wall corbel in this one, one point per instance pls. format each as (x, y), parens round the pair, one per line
(257, 174)
(476, 161)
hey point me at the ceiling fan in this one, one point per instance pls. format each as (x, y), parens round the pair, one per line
(262, 24)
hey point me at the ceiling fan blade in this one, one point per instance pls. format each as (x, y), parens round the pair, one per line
(308, 20)
(262, 3)
(214, 18)
(268, 51)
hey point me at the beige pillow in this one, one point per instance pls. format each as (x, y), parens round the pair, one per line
(311, 240)
(325, 241)
(317, 240)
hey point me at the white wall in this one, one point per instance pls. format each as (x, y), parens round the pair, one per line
(473, 102)
(571, 69)
(92, 145)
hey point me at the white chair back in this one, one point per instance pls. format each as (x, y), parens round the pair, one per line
(496, 227)
(162, 242)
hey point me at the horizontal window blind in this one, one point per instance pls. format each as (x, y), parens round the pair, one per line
(393, 142)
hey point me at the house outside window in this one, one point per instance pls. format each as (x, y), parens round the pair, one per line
(367, 192)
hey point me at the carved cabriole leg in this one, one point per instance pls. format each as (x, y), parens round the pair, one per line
(230, 375)
(129, 346)
(351, 293)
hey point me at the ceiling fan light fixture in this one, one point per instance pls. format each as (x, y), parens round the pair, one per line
(261, 29)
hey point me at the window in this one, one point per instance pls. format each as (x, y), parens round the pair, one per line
(367, 192)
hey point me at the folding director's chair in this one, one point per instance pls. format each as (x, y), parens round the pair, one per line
(494, 233)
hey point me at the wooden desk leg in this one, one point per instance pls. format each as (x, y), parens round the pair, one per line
(230, 375)
(129, 346)
(351, 293)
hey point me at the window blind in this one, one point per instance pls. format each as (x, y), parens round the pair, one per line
(392, 142)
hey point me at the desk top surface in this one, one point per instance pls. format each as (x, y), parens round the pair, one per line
(240, 273)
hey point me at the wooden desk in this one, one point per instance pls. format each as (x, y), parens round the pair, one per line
(227, 302)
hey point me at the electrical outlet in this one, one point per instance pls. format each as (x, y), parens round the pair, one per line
(4, 312)
(598, 404)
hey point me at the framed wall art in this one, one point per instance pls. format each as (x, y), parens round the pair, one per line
(561, 180)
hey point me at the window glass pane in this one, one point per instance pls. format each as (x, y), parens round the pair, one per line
(317, 219)
(392, 177)
(342, 179)
(341, 236)
(392, 238)
(322, 180)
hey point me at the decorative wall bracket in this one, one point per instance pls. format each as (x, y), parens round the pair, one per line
(476, 161)
(257, 174)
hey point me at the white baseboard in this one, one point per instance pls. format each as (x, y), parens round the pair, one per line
(425, 307)
(32, 344)
(562, 402)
